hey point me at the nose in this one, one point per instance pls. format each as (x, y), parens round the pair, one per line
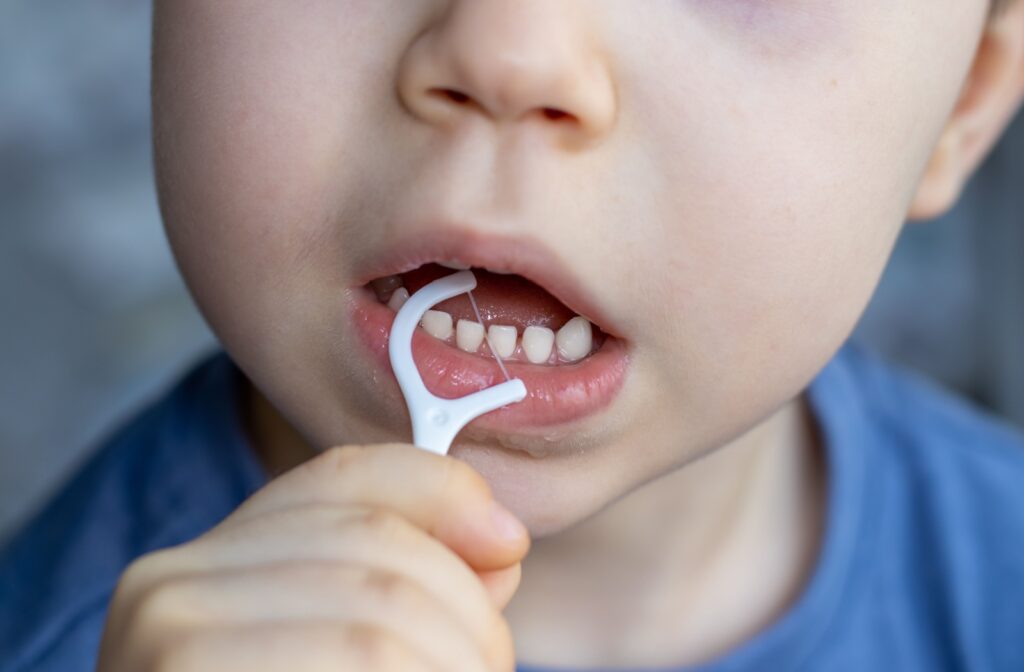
(513, 62)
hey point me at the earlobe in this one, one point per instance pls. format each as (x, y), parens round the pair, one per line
(991, 96)
(942, 182)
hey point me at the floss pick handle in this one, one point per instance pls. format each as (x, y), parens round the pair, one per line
(436, 421)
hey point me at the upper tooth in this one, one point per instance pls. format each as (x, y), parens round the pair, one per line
(438, 324)
(502, 339)
(537, 344)
(469, 335)
(575, 339)
(454, 265)
(398, 299)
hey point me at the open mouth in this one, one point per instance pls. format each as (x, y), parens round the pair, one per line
(572, 367)
(521, 321)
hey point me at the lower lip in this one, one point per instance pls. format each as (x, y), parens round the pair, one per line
(556, 395)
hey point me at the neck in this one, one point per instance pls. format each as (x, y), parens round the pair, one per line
(685, 568)
(277, 445)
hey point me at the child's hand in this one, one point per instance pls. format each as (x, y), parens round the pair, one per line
(364, 558)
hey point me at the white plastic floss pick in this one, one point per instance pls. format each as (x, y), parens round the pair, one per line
(436, 421)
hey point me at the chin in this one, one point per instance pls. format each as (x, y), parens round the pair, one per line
(548, 494)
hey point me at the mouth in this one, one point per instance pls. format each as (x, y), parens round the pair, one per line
(573, 367)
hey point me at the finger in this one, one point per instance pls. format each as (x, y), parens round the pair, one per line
(297, 646)
(372, 537)
(328, 592)
(442, 495)
(502, 584)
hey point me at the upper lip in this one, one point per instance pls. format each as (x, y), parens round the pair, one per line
(506, 254)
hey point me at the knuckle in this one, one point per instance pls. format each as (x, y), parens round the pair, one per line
(381, 522)
(134, 578)
(393, 590)
(145, 569)
(338, 458)
(195, 649)
(464, 481)
(185, 651)
(162, 604)
(375, 648)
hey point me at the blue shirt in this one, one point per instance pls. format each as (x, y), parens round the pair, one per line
(921, 566)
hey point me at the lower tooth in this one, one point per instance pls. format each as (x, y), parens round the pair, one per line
(438, 324)
(469, 335)
(575, 339)
(398, 299)
(537, 344)
(502, 339)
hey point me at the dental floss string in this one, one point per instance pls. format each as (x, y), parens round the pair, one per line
(487, 336)
(436, 421)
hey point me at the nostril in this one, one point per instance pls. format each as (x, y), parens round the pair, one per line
(451, 94)
(459, 98)
(555, 114)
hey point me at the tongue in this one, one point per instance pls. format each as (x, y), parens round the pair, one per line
(503, 299)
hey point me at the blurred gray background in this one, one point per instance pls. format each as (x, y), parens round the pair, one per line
(94, 320)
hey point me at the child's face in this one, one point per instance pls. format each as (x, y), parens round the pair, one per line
(725, 192)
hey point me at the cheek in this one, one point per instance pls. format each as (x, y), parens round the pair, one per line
(255, 136)
(781, 186)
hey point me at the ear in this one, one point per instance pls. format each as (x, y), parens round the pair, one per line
(990, 98)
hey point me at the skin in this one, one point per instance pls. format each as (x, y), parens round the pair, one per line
(775, 148)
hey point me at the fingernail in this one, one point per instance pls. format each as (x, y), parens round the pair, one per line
(505, 525)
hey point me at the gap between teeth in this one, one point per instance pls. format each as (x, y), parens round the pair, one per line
(538, 345)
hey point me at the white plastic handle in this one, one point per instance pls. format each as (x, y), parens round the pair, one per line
(436, 421)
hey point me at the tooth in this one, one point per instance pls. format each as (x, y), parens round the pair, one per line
(398, 299)
(469, 335)
(537, 344)
(438, 324)
(502, 339)
(575, 339)
(454, 265)
(384, 286)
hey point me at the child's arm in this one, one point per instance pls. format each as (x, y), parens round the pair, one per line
(364, 558)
